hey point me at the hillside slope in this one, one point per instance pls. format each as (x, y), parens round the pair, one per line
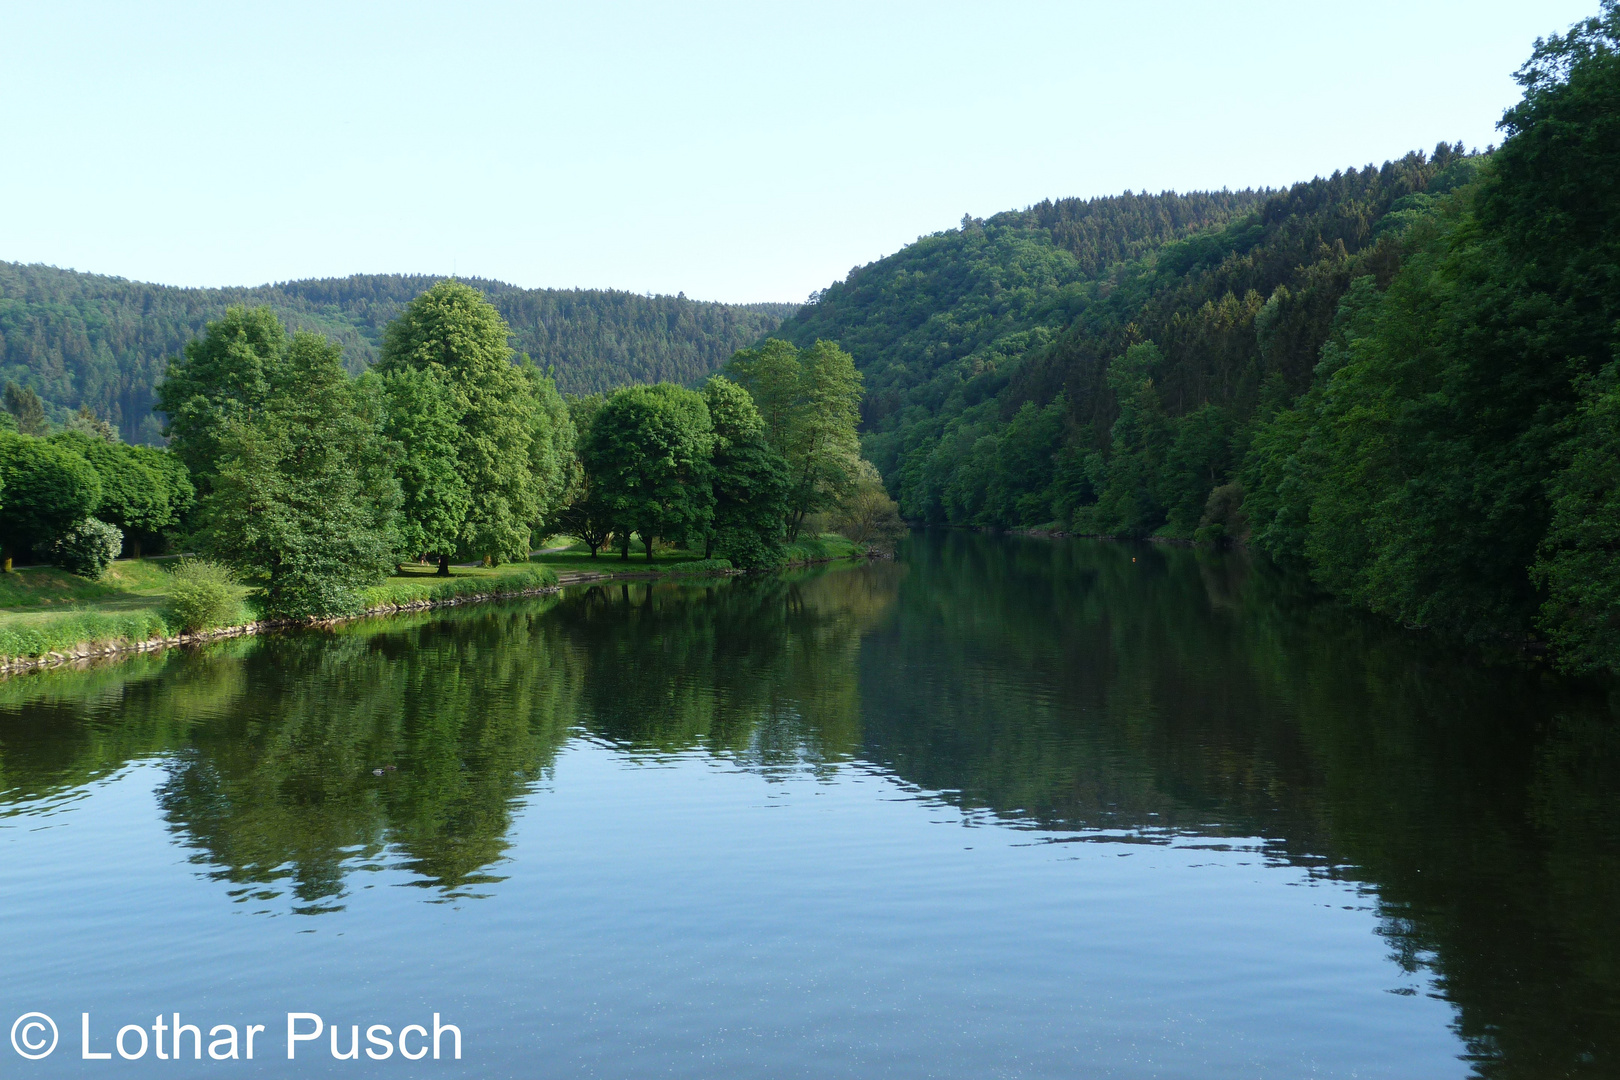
(87, 339)
(961, 306)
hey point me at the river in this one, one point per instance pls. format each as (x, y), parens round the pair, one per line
(999, 807)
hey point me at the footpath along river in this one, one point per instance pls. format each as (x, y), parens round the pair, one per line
(1000, 807)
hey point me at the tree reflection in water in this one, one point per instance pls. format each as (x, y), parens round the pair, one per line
(1065, 687)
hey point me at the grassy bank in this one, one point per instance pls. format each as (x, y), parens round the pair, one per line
(576, 559)
(45, 610)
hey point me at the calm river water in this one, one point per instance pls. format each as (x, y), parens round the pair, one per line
(998, 808)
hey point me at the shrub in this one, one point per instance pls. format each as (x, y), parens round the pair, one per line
(86, 547)
(202, 595)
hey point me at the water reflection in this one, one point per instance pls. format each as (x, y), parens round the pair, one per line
(1055, 686)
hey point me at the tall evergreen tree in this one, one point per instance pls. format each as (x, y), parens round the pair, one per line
(26, 409)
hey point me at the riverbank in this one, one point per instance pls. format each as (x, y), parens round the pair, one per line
(49, 617)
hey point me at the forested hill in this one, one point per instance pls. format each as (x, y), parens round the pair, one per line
(88, 340)
(989, 351)
(1404, 377)
(962, 306)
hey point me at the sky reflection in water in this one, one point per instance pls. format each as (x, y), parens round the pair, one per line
(999, 808)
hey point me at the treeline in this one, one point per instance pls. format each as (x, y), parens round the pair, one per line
(313, 484)
(90, 341)
(79, 496)
(1402, 377)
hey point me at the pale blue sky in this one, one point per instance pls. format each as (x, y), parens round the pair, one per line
(736, 152)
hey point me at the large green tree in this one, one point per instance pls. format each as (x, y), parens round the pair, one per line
(585, 514)
(750, 480)
(144, 491)
(453, 333)
(647, 457)
(303, 495)
(27, 411)
(553, 463)
(810, 401)
(222, 381)
(421, 416)
(48, 489)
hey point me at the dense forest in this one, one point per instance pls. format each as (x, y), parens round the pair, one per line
(85, 340)
(1402, 377)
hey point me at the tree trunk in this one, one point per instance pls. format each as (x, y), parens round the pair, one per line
(444, 565)
(708, 545)
(648, 540)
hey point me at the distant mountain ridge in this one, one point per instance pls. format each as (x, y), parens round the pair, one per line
(81, 339)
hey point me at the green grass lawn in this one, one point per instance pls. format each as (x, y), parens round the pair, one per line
(43, 609)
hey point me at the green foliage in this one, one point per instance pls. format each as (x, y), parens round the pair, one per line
(1579, 561)
(553, 463)
(1458, 430)
(39, 635)
(1131, 501)
(144, 491)
(47, 490)
(867, 515)
(26, 410)
(406, 589)
(453, 334)
(823, 547)
(750, 480)
(991, 397)
(585, 513)
(950, 315)
(421, 417)
(304, 500)
(809, 400)
(86, 548)
(224, 380)
(203, 595)
(647, 454)
(102, 342)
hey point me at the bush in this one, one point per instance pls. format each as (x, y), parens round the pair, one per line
(86, 548)
(202, 595)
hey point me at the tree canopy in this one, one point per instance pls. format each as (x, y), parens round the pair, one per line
(647, 453)
(87, 340)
